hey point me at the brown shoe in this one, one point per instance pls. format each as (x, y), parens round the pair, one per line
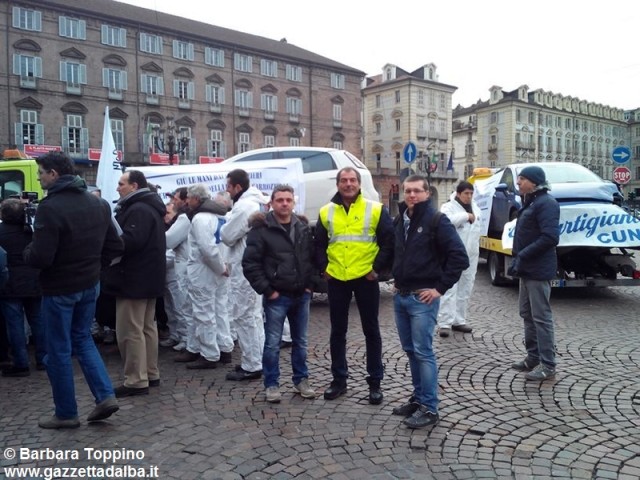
(186, 356)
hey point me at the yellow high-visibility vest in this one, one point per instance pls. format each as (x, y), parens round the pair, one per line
(352, 237)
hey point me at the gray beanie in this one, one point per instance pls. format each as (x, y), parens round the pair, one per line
(534, 174)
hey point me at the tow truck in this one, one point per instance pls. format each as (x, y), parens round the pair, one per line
(18, 174)
(603, 256)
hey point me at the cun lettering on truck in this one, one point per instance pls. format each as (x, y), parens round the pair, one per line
(598, 238)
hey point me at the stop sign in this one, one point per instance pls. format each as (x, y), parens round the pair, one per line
(621, 175)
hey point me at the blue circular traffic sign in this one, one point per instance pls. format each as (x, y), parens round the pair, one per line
(410, 152)
(621, 154)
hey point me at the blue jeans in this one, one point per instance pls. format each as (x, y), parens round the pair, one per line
(296, 308)
(14, 311)
(367, 293)
(535, 310)
(416, 322)
(67, 320)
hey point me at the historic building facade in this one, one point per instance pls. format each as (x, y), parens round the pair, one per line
(539, 126)
(211, 91)
(400, 107)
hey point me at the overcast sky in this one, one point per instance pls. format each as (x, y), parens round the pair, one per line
(583, 49)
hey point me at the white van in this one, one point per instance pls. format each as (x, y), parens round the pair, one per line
(320, 167)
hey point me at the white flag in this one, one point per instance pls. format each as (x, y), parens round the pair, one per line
(109, 168)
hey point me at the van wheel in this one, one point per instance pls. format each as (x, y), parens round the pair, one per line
(496, 269)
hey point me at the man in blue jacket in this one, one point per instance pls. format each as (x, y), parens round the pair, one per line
(534, 260)
(429, 259)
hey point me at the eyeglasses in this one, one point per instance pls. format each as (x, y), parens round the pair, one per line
(417, 191)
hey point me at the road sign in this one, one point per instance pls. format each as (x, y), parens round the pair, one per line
(410, 152)
(621, 175)
(621, 154)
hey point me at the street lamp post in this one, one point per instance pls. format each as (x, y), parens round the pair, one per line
(168, 143)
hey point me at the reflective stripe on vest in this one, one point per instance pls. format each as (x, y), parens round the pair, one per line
(365, 237)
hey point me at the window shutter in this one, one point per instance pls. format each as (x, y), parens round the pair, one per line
(16, 17)
(208, 56)
(176, 87)
(105, 77)
(208, 93)
(37, 67)
(82, 70)
(84, 139)
(63, 71)
(190, 91)
(250, 100)
(37, 19)
(82, 29)
(123, 37)
(143, 83)
(221, 95)
(61, 22)
(191, 52)
(263, 101)
(65, 138)
(104, 32)
(17, 137)
(175, 49)
(143, 37)
(16, 62)
(39, 134)
(123, 80)
(159, 46)
(160, 86)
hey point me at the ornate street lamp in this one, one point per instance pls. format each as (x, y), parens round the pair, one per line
(168, 143)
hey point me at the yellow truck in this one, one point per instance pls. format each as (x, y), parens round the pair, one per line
(18, 174)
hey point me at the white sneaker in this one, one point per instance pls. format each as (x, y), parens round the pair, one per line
(180, 346)
(304, 389)
(273, 394)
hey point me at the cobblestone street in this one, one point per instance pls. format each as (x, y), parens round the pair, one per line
(583, 424)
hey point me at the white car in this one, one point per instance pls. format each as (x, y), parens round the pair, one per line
(320, 167)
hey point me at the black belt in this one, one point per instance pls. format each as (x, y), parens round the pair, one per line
(406, 293)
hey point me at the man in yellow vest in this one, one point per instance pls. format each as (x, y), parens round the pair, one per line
(354, 243)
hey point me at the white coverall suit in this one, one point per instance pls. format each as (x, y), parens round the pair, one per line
(245, 304)
(205, 270)
(454, 303)
(175, 294)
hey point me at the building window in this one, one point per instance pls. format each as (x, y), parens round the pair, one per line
(337, 115)
(397, 93)
(151, 43)
(244, 142)
(29, 131)
(443, 101)
(378, 102)
(183, 90)
(214, 57)
(215, 94)
(294, 142)
(28, 68)
(114, 36)
(244, 101)
(294, 73)
(153, 87)
(216, 145)
(432, 98)
(269, 68)
(26, 19)
(269, 103)
(420, 97)
(243, 63)
(115, 81)
(269, 141)
(494, 117)
(442, 125)
(378, 128)
(532, 118)
(74, 75)
(398, 165)
(72, 28)
(74, 136)
(337, 81)
(183, 50)
(397, 124)
(518, 115)
(337, 144)
(294, 107)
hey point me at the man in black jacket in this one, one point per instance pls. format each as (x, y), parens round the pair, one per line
(73, 238)
(429, 259)
(278, 264)
(137, 280)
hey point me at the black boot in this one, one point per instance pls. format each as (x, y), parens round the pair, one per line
(375, 392)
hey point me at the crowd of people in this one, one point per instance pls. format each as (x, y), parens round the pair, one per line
(239, 268)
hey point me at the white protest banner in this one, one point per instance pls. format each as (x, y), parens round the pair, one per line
(264, 175)
(590, 225)
(483, 196)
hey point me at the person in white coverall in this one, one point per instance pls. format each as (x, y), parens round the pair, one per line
(175, 294)
(206, 268)
(245, 304)
(464, 213)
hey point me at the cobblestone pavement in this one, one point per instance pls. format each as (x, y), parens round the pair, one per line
(196, 425)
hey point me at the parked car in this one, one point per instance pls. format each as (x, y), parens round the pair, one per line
(320, 167)
(570, 183)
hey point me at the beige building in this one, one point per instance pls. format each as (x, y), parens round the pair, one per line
(400, 107)
(633, 119)
(539, 126)
(206, 90)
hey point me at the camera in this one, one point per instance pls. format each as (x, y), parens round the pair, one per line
(30, 200)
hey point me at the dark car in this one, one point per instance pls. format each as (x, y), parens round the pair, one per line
(570, 183)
